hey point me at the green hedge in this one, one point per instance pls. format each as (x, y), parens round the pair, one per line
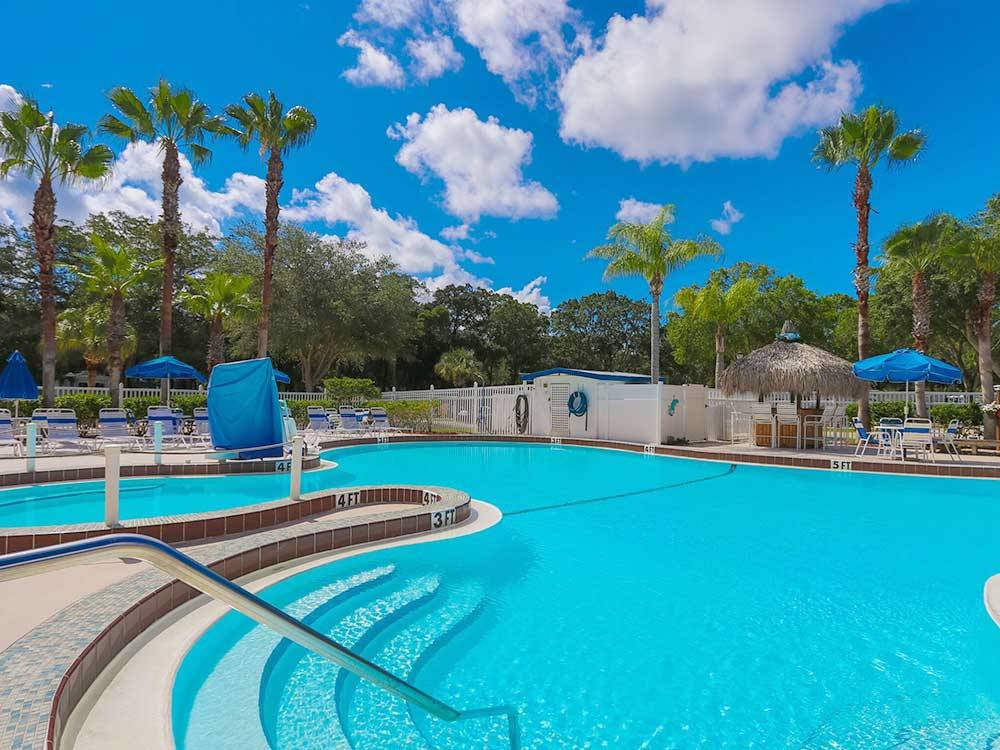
(298, 409)
(940, 413)
(346, 390)
(24, 408)
(409, 415)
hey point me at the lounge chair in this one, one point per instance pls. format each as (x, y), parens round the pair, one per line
(866, 439)
(112, 428)
(349, 421)
(819, 424)
(319, 420)
(918, 436)
(380, 420)
(7, 436)
(170, 425)
(63, 431)
(202, 434)
(948, 439)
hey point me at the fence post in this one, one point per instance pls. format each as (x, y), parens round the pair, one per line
(31, 439)
(430, 419)
(121, 394)
(295, 485)
(157, 442)
(658, 438)
(112, 476)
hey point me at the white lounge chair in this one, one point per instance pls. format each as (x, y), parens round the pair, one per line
(63, 432)
(319, 420)
(169, 422)
(202, 433)
(867, 440)
(819, 423)
(349, 421)
(948, 439)
(918, 436)
(787, 415)
(760, 414)
(380, 420)
(112, 428)
(7, 436)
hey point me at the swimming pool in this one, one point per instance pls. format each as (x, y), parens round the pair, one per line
(751, 607)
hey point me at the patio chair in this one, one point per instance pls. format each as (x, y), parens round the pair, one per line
(319, 420)
(63, 431)
(787, 415)
(7, 436)
(170, 425)
(380, 420)
(112, 428)
(819, 423)
(349, 421)
(760, 414)
(202, 433)
(866, 439)
(918, 436)
(948, 438)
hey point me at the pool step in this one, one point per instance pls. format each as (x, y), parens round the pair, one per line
(233, 687)
(304, 715)
(375, 718)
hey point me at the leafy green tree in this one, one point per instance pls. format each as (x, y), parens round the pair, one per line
(916, 249)
(468, 309)
(85, 330)
(719, 306)
(109, 273)
(433, 340)
(517, 334)
(219, 298)
(648, 250)
(862, 140)
(174, 120)
(459, 367)
(389, 321)
(600, 331)
(32, 143)
(277, 132)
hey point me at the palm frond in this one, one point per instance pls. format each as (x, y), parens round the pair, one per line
(199, 154)
(128, 104)
(906, 147)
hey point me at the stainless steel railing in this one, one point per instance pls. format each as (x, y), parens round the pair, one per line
(190, 571)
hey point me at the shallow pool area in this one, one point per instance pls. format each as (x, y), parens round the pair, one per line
(631, 601)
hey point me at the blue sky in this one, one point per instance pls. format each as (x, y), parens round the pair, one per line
(684, 101)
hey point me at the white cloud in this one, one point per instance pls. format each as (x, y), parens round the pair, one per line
(47, 85)
(730, 215)
(639, 212)
(9, 98)
(375, 67)
(531, 293)
(433, 56)
(393, 14)
(459, 232)
(694, 80)
(479, 161)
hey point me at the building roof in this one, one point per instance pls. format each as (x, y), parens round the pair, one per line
(615, 377)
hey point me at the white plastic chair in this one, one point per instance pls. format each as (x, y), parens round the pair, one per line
(319, 420)
(948, 439)
(760, 414)
(380, 420)
(202, 431)
(63, 432)
(349, 421)
(170, 425)
(866, 439)
(787, 415)
(7, 436)
(112, 428)
(820, 423)
(918, 436)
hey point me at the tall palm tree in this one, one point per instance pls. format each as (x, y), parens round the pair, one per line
(864, 139)
(109, 273)
(32, 143)
(85, 330)
(459, 367)
(648, 250)
(720, 306)
(176, 121)
(218, 297)
(916, 249)
(276, 132)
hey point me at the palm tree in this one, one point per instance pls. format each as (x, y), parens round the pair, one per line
(175, 121)
(109, 273)
(33, 144)
(716, 304)
(277, 132)
(459, 367)
(916, 249)
(85, 330)
(218, 297)
(648, 250)
(864, 139)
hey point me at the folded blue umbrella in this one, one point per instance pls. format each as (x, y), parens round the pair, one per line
(907, 366)
(16, 382)
(164, 367)
(281, 377)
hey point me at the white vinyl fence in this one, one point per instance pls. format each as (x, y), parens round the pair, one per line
(483, 409)
(155, 391)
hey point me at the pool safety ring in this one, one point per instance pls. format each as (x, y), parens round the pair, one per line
(577, 406)
(521, 413)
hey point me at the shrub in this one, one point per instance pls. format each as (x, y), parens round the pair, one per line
(969, 414)
(139, 404)
(86, 406)
(347, 390)
(409, 415)
(298, 409)
(24, 408)
(880, 410)
(188, 404)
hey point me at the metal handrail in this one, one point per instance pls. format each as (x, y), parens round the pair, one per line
(180, 566)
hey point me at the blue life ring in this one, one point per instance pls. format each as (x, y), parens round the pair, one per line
(577, 403)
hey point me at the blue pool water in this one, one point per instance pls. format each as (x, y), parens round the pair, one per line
(627, 601)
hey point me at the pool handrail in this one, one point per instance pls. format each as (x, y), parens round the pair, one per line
(190, 571)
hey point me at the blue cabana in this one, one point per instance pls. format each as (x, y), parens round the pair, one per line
(907, 366)
(281, 377)
(164, 368)
(243, 409)
(16, 382)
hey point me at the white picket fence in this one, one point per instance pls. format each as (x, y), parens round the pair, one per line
(155, 392)
(715, 397)
(482, 409)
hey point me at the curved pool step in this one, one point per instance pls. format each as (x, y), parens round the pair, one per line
(298, 697)
(375, 718)
(233, 687)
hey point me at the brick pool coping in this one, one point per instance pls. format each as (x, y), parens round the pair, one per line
(44, 674)
(197, 468)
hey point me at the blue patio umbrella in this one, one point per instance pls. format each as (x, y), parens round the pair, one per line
(907, 366)
(281, 377)
(16, 382)
(164, 368)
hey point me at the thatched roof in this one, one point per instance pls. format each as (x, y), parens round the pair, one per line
(788, 365)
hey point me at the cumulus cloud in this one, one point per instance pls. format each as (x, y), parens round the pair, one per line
(530, 293)
(695, 80)
(375, 66)
(433, 56)
(730, 215)
(639, 212)
(479, 161)
(458, 232)
(9, 98)
(392, 14)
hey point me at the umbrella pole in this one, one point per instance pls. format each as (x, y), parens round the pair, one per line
(168, 391)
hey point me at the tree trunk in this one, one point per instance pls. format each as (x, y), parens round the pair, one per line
(273, 186)
(921, 332)
(171, 238)
(116, 335)
(720, 352)
(862, 276)
(91, 366)
(985, 297)
(216, 342)
(43, 221)
(655, 288)
(307, 374)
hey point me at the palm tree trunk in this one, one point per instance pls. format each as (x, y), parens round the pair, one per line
(654, 333)
(274, 182)
(116, 335)
(171, 238)
(307, 374)
(43, 220)
(91, 367)
(985, 296)
(216, 342)
(921, 331)
(720, 352)
(862, 276)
